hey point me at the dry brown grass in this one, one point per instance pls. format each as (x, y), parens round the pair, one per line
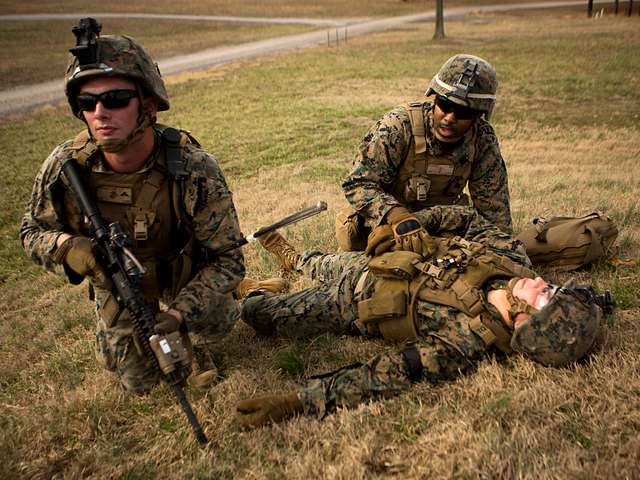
(63, 416)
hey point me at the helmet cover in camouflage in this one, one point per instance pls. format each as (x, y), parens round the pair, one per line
(120, 56)
(564, 330)
(467, 80)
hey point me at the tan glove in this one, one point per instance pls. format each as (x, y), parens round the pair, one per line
(409, 235)
(260, 411)
(166, 323)
(76, 253)
(380, 240)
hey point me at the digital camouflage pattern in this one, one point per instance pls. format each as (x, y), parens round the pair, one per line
(118, 56)
(468, 80)
(564, 331)
(385, 147)
(205, 302)
(446, 344)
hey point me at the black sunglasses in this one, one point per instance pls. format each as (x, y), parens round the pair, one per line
(461, 112)
(113, 99)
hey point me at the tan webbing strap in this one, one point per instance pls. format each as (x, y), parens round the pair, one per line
(83, 147)
(515, 268)
(482, 331)
(417, 127)
(502, 335)
(143, 215)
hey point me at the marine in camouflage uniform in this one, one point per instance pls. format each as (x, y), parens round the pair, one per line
(448, 341)
(175, 222)
(411, 159)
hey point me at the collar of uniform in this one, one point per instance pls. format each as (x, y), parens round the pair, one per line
(459, 151)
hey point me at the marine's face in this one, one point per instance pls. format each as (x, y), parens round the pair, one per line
(451, 121)
(536, 292)
(113, 123)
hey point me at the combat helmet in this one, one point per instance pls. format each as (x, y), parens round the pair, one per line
(467, 80)
(565, 329)
(111, 55)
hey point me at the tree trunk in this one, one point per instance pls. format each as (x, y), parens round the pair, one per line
(590, 8)
(439, 33)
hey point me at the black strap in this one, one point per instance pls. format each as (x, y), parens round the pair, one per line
(413, 363)
(171, 141)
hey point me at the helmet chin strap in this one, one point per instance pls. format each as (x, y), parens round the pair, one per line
(516, 304)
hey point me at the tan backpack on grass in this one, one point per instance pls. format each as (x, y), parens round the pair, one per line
(568, 243)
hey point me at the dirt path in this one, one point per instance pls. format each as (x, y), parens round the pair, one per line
(17, 100)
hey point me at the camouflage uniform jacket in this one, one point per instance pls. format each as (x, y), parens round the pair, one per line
(208, 206)
(386, 146)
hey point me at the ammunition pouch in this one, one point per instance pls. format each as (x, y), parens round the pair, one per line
(388, 307)
(399, 264)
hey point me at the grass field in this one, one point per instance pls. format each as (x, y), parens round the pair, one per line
(285, 129)
(166, 38)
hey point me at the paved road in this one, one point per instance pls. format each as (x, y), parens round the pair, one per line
(22, 99)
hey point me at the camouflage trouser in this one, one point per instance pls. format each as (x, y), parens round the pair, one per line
(117, 350)
(331, 306)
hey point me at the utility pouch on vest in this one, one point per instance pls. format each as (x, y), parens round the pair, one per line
(417, 188)
(568, 243)
(388, 308)
(400, 265)
(351, 233)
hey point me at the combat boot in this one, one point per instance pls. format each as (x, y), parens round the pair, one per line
(203, 371)
(249, 285)
(275, 243)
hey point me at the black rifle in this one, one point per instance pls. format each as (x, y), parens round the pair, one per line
(112, 253)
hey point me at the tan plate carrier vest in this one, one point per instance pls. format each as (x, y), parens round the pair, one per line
(454, 277)
(425, 180)
(148, 207)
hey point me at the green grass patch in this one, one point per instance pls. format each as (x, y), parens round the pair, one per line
(497, 406)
